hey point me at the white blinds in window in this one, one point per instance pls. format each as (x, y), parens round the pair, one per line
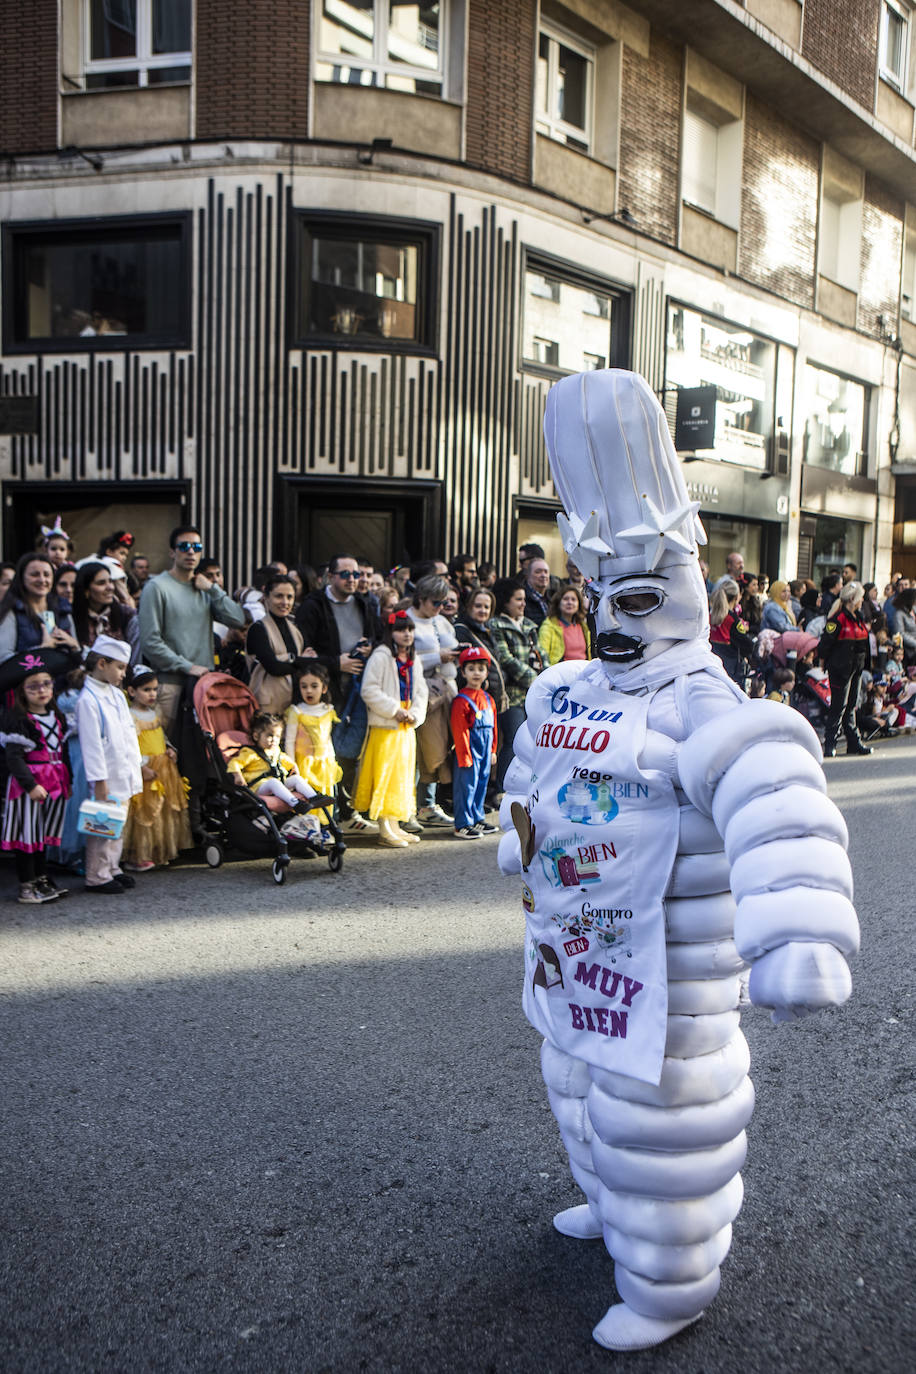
(701, 140)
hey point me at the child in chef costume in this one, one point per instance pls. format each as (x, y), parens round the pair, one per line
(111, 756)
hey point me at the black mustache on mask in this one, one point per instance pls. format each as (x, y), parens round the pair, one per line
(618, 648)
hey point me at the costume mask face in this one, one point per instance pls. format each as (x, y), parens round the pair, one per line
(639, 615)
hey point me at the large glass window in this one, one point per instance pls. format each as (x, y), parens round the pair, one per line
(704, 351)
(137, 43)
(365, 281)
(114, 283)
(565, 72)
(836, 421)
(568, 323)
(391, 43)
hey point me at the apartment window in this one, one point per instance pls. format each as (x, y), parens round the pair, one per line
(100, 284)
(840, 228)
(365, 282)
(711, 161)
(565, 75)
(894, 42)
(136, 43)
(908, 290)
(836, 421)
(388, 43)
(571, 322)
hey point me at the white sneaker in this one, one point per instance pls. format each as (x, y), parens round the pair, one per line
(359, 825)
(435, 816)
(412, 826)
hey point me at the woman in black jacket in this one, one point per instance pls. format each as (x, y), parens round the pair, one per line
(275, 648)
(845, 652)
(472, 628)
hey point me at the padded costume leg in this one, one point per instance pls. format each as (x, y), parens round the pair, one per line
(568, 1084)
(668, 1157)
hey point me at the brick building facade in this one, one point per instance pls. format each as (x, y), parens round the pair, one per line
(284, 265)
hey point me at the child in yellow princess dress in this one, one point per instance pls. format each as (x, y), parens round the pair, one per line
(157, 823)
(307, 734)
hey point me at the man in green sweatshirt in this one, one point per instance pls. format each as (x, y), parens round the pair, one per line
(177, 611)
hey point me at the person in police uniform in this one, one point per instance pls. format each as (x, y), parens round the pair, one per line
(845, 652)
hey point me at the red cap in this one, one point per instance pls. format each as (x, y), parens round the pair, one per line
(472, 654)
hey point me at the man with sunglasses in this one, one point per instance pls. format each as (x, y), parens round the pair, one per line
(339, 623)
(177, 614)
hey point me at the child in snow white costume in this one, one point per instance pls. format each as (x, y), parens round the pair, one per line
(651, 779)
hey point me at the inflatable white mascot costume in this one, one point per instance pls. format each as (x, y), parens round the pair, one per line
(644, 786)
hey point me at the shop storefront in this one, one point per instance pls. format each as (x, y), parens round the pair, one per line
(741, 482)
(838, 499)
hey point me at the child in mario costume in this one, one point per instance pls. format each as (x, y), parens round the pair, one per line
(474, 733)
(669, 831)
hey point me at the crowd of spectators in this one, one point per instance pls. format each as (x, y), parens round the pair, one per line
(839, 653)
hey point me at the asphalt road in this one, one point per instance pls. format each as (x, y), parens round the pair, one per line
(253, 1128)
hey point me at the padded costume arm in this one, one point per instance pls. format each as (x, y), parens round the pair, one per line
(756, 771)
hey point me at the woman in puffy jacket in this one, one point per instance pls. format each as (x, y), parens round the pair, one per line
(563, 634)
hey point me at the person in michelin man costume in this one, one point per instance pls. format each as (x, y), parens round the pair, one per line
(644, 786)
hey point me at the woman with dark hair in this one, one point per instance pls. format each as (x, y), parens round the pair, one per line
(563, 633)
(64, 582)
(275, 647)
(905, 622)
(305, 580)
(31, 615)
(515, 642)
(97, 610)
(472, 630)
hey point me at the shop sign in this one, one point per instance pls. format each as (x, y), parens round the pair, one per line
(695, 420)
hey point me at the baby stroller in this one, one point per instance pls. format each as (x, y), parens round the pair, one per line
(233, 817)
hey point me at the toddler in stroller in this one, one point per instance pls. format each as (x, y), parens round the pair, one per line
(268, 814)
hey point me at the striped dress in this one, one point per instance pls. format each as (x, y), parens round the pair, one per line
(31, 826)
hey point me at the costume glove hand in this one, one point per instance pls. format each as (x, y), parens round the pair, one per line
(798, 978)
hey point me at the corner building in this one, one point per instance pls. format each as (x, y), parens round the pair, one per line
(304, 272)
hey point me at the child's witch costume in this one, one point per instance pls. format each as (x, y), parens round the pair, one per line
(33, 754)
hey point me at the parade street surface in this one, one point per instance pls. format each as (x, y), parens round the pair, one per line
(302, 1128)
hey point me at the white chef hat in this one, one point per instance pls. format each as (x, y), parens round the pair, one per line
(107, 647)
(618, 476)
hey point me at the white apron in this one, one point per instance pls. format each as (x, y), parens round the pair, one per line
(598, 846)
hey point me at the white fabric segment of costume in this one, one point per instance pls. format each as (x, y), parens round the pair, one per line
(653, 737)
